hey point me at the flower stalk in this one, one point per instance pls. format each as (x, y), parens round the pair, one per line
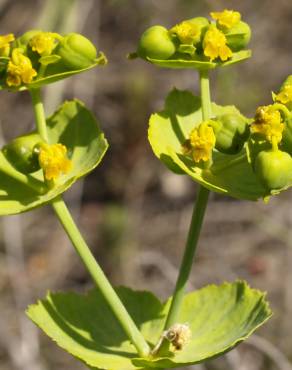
(84, 252)
(194, 231)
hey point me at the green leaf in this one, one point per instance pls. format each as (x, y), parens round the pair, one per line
(169, 129)
(72, 125)
(219, 317)
(200, 64)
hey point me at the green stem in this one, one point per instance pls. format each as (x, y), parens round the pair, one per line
(205, 95)
(84, 252)
(196, 222)
(39, 113)
(99, 278)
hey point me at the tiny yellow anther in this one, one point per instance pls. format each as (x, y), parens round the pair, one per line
(5, 41)
(202, 142)
(43, 43)
(227, 18)
(186, 32)
(19, 69)
(214, 45)
(268, 122)
(54, 161)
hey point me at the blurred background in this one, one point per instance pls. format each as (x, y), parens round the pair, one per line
(132, 211)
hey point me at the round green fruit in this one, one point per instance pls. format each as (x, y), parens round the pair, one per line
(21, 153)
(76, 51)
(238, 36)
(231, 133)
(156, 43)
(274, 169)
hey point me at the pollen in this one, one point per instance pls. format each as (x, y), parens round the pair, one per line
(43, 43)
(215, 45)
(19, 69)
(285, 95)
(202, 142)
(268, 122)
(54, 161)
(227, 18)
(5, 41)
(186, 32)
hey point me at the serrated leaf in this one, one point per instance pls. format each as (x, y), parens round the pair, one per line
(74, 126)
(200, 64)
(168, 130)
(220, 317)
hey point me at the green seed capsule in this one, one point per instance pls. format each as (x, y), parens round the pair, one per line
(21, 153)
(231, 133)
(274, 169)
(76, 51)
(156, 43)
(238, 36)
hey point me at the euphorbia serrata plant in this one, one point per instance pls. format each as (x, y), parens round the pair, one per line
(217, 146)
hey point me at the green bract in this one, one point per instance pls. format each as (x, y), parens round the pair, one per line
(231, 133)
(21, 153)
(156, 43)
(64, 57)
(229, 174)
(274, 169)
(75, 127)
(200, 63)
(219, 317)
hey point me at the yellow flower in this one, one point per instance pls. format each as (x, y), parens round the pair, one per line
(227, 18)
(5, 41)
(215, 45)
(44, 42)
(268, 122)
(19, 69)
(202, 141)
(186, 32)
(54, 161)
(285, 95)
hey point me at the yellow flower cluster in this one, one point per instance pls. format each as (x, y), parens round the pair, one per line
(5, 41)
(19, 69)
(44, 42)
(186, 32)
(54, 161)
(202, 142)
(285, 95)
(227, 18)
(268, 122)
(215, 45)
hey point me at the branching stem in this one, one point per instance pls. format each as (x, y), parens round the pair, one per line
(84, 252)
